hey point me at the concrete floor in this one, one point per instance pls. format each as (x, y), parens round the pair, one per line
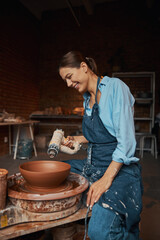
(150, 218)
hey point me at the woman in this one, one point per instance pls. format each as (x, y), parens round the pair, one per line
(111, 168)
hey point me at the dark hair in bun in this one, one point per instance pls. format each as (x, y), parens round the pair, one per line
(73, 59)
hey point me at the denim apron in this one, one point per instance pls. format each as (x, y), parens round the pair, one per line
(124, 195)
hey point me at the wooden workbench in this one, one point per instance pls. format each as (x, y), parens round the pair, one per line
(30, 227)
(19, 125)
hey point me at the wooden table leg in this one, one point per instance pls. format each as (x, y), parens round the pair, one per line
(10, 147)
(16, 145)
(32, 137)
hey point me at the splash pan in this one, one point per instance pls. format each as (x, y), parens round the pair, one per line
(57, 199)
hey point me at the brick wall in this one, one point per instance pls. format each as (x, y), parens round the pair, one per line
(118, 33)
(19, 50)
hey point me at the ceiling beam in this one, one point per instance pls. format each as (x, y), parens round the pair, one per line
(72, 11)
(88, 6)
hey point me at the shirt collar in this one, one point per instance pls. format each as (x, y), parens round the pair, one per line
(104, 81)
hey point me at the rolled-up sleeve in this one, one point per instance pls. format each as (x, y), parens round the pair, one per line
(123, 124)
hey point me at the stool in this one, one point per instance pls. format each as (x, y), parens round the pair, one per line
(153, 148)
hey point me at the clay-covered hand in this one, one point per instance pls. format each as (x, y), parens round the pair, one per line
(68, 141)
(70, 150)
(97, 189)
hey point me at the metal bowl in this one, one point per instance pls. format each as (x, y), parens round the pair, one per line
(44, 174)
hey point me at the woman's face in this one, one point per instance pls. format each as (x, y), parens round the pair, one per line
(75, 77)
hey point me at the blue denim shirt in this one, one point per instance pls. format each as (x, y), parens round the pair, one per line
(116, 112)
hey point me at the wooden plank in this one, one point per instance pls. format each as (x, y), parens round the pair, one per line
(17, 123)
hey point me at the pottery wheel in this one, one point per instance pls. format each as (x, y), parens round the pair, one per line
(17, 188)
(25, 187)
(50, 200)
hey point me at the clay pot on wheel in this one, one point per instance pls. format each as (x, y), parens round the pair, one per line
(44, 174)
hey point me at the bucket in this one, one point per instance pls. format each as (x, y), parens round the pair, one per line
(80, 236)
(25, 149)
(66, 232)
(3, 187)
(80, 227)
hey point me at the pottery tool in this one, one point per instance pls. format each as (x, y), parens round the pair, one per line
(56, 144)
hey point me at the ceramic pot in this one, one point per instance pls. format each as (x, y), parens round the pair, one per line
(44, 174)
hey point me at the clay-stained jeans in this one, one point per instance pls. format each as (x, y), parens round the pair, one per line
(107, 225)
(104, 223)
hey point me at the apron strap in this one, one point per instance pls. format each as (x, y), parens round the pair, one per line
(98, 81)
(86, 102)
(95, 106)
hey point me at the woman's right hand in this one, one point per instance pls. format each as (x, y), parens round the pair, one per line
(69, 140)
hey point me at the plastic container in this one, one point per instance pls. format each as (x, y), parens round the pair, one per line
(80, 236)
(66, 232)
(25, 149)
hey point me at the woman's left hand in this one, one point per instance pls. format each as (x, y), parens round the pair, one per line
(97, 189)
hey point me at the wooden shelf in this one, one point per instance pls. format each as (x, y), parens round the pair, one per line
(144, 108)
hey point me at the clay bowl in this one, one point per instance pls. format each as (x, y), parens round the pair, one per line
(44, 174)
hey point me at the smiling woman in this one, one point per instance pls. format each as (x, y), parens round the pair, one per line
(74, 70)
(111, 166)
(73, 59)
